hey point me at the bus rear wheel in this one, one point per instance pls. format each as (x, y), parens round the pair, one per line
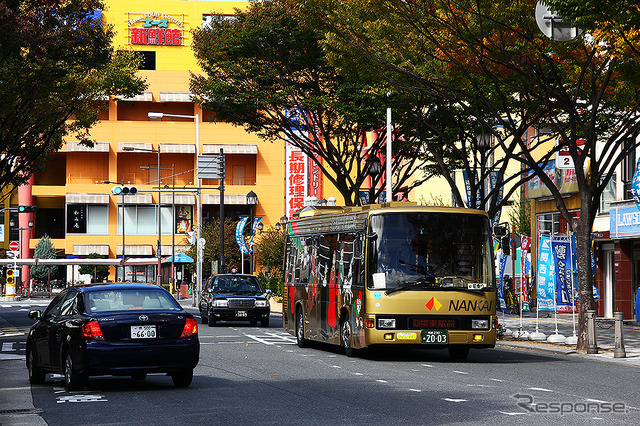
(345, 337)
(300, 329)
(458, 352)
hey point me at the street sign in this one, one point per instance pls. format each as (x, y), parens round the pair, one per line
(211, 167)
(14, 246)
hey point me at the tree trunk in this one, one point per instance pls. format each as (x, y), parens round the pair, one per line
(585, 277)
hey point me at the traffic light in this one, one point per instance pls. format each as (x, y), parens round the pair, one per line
(27, 209)
(10, 276)
(124, 190)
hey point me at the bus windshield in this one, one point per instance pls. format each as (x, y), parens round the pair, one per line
(429, 251)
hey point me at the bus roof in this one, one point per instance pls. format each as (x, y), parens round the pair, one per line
(332, 219)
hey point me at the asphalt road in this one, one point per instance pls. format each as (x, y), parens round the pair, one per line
(254, 375)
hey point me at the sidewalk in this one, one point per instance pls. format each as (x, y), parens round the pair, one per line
(547, 323)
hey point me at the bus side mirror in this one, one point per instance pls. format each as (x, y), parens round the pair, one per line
(500, 231)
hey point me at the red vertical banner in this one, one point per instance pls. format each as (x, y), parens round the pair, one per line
(524, 248)
(315, 178)
(296, 180)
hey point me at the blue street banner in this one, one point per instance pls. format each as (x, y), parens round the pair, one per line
(239, 234)
(254, 228)
(561, 249)
(471, 201)
(503, 264)
(545, 275)
(635, 184)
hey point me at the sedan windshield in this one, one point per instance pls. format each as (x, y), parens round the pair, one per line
(236, 284)
(129, 299)
(430, 251)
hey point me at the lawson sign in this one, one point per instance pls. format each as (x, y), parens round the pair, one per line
(624, 221)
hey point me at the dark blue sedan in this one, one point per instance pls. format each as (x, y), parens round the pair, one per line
(113, 329)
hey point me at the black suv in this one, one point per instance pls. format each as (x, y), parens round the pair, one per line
(234, 297)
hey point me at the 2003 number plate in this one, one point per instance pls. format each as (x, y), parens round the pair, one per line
(435, 337)
(143, 332)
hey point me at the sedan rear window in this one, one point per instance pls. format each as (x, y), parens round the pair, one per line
(129, 299)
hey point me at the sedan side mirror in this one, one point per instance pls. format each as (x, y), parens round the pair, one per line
(35, 315)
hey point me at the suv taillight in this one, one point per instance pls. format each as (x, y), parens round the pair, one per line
(91, 330)
(190, 328)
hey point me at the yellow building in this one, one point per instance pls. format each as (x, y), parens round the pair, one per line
(76, 207)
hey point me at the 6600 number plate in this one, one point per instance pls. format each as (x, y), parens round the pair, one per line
(143, 331)
(435, 337)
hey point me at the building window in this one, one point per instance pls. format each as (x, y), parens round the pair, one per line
(608, 195)
(142, 220)
(87, 219)
(548, 223)
(628, 168)
(148, 60)
(98, 220)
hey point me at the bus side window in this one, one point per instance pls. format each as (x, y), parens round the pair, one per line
(357, 265)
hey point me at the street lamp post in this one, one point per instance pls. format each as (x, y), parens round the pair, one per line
(252, 201)
(159, 245)
(484, 143)
(160, 115)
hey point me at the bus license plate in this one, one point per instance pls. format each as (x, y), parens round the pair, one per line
(143, 331)
(242, 314)
(435, 337)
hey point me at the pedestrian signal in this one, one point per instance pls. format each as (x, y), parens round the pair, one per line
(124, 190)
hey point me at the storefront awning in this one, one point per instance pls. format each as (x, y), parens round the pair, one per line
(143, 97)
(176, 97)
(135, 250)
(87, 249)
(214, 148)
(86, 198)
(188, 199)
(75, 146)
(177, 148)
(132, 146)
(180, 258)
(229, 199)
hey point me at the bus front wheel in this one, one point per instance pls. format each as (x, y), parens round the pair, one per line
(300, 329)
(345, 337)
(458, 352)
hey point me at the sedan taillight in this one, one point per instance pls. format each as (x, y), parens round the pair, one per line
(91, 330)
(190, 328)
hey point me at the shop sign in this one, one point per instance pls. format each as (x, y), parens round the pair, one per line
(153, 29)
(624, 221)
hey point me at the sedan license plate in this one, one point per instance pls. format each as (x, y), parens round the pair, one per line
(242, 314)
(435, 337)
(143, 331)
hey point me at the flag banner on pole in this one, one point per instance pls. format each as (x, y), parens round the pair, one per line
(503, 264)
(242, 244)
(545, 275)
(524, 247)
(254, 228)
(561, 249)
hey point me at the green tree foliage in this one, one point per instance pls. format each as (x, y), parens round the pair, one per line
(520, 217)
(491, 61)
(265, 70)
(57, 62)
(44, 250)
(269, 250)
(98, 273)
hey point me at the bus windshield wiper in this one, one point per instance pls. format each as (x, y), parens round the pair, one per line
(423, 281)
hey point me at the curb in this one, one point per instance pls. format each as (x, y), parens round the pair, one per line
(532, 345)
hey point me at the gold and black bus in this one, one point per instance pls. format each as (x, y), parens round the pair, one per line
(391, 274)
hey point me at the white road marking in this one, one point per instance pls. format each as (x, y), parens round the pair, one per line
(7, 347)
(381, 381)
(540, 389)
(427, 365)
(497, 380)
(335, 366)
(415, 390)
(456, 400)
(460, 372)
(81, 398)
(517, 413)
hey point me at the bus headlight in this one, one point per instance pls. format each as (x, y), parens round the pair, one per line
(480, 324)
(386, 323)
